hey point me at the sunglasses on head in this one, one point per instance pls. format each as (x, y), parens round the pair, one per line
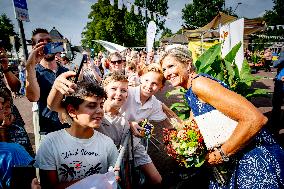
(116, 62)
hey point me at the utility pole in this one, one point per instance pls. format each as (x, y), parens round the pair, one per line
(21, 14)
(23, 39)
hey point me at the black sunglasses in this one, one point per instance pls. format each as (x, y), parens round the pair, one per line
(116, 62)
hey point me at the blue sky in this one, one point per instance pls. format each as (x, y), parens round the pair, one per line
(71, 16)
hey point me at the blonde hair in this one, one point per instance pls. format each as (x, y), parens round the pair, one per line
(154, 67)
(114, 77)
(115, 54)
(132, 66)
(181, 54)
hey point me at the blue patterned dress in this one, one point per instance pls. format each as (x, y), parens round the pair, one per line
(258, 165)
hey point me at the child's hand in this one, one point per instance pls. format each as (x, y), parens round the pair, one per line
(117, 177)
(35, 184)
(134, 127)
(63, 85)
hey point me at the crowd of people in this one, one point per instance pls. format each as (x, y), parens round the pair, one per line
(79, 127)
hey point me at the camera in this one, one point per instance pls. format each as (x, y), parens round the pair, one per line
(53, 47)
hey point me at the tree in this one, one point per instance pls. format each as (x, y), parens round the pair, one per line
(272, 18)
(201, 12)
(166, 33)
(7, 30)
(109, 23)
(276, 15)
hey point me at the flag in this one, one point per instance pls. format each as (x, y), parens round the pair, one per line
(143, 11)
(149, 14)
(111, 2)
(154, 15)
(151, 32)
(136, 10)
(120, 4)
(128, 6)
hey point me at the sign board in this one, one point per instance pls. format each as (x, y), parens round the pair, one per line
(151, 32)
(21, 10)
(230, 35)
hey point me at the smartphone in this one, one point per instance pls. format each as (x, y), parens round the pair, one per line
(77, 64)
(53, 47)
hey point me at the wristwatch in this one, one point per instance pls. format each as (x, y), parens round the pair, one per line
(225, 158)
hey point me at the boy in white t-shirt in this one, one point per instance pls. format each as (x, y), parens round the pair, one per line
(69, 155)
(142, 104)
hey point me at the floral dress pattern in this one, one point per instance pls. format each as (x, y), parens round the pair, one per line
(258, 165)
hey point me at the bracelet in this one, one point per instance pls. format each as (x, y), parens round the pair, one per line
(225, 158)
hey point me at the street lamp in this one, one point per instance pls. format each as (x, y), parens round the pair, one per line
(239, 3)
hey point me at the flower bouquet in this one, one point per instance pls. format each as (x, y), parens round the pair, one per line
(185, 143)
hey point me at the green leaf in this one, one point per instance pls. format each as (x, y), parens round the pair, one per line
(245, 71)
(178, 91)
(182, 116)
(207, 58)
(230, 57)
(178, 104)
(257, 93)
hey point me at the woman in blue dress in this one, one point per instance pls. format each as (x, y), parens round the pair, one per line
(256, 160)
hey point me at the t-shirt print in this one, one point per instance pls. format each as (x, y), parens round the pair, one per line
(74, 168)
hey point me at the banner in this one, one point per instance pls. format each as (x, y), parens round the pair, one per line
(111, 2)
(151, 32)
(128, 6)
(154, 15)
(120, 4)
(195, 48)
(136, 10)
(230, 35)
(143, 11)
(21, 10)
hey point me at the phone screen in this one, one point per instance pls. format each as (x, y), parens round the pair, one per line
(53, 47)
(77, 64)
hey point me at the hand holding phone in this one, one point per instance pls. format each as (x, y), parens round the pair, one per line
(53, 48)
(77, 65)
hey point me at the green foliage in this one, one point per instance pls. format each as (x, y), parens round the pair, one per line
(166, 33)
(180, 108)
(109, 23)
(6, 30)
(200, 12)
(272, 18)
(226, 70)
(276, 15)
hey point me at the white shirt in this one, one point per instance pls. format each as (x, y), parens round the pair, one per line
(135, 111)
(75, 158)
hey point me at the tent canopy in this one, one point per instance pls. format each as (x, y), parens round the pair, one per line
(211, 29)
(176, 39)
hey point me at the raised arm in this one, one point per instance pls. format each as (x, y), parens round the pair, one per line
(12, 81)
(61, 86)
(32, 86)
(250, 119)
